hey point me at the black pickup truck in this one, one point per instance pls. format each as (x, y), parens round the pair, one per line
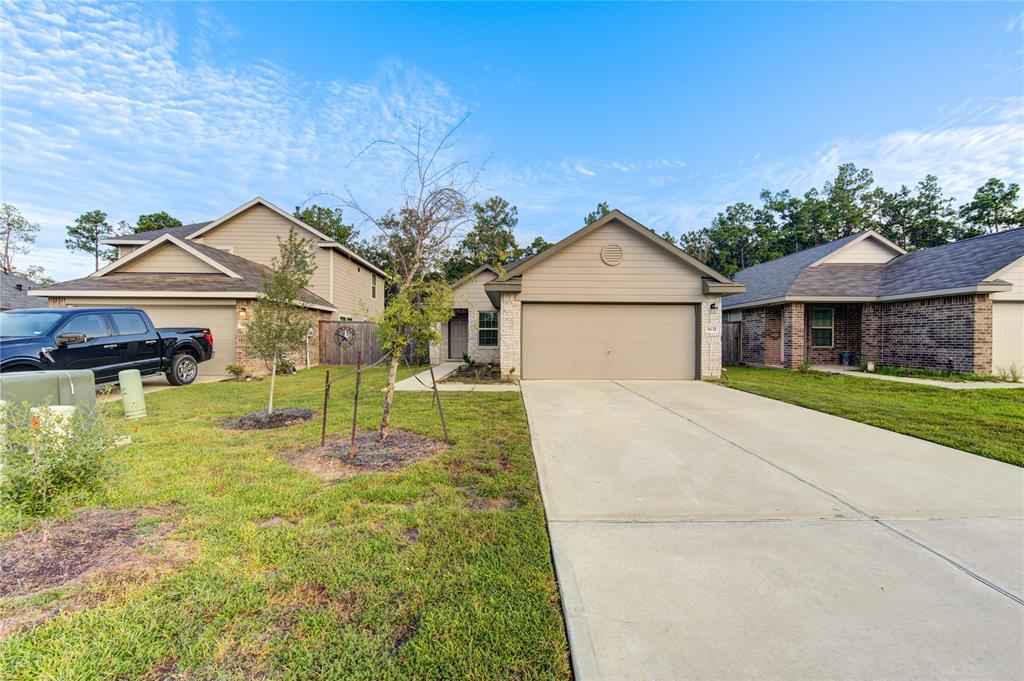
(106, 340)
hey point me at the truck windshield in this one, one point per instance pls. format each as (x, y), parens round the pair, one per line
(17, 324)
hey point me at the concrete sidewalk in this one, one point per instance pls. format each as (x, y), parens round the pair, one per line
(704, 533)
(934, 383)
(421, 381)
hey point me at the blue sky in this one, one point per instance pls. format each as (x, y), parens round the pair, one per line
(667, 111)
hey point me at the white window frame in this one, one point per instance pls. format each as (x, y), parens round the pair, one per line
(373, 284)
(480, 328)
(831, 327)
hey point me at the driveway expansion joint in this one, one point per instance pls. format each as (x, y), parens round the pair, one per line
(882, 523)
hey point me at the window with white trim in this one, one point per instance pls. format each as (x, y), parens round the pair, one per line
(822, 327)
(373, 285)
(487, 330)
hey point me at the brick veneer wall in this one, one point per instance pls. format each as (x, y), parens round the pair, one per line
(509, 324)
(752, 335)
(257, 367)
(846, 334)
(773, 336)
(953, 332)
(794, 339)
(710, 334)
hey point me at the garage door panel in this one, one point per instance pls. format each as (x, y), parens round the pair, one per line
(1007, 335)
(608, 341)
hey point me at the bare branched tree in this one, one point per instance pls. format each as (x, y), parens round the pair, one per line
(434, 206)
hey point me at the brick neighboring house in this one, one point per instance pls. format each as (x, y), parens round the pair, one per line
(209, 273)
(611, 300)
(958, 307)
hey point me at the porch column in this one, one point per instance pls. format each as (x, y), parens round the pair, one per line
(794, 339)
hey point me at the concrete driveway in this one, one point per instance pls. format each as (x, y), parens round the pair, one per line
(705, 533)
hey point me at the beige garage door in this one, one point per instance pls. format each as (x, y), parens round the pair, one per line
(566, 340)
(1007, 336)
(220, 319)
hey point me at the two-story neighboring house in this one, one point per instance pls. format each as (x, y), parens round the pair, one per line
(208, 274)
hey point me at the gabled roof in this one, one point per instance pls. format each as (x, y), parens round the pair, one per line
(516, 268)
(196, 230)
(171, 241)
(247, 283)
(181, 232)
(469, 277)
(957, 267)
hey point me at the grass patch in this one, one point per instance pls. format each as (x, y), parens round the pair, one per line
(984, 422)
(439, 570)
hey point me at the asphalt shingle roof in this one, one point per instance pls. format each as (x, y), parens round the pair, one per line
(13, 299)
(251, 280)
(959, 264)
(181, 232)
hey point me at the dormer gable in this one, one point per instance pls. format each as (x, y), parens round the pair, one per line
(869, 248)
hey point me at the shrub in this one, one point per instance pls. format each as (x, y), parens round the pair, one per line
(50, 460)
(236, 370)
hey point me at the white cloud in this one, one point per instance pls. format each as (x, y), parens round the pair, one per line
(583, 170)
(100, 110)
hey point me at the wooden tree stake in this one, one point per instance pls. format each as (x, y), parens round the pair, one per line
(327, 394)
(355, 406)
(437, 396)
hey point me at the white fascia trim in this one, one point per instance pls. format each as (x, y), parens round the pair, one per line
(239, 295)
(1005, 270)
(155, 243)
(869, 234)
(124, 242)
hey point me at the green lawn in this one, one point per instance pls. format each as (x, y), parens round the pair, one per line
(986, 422)
(381, 576)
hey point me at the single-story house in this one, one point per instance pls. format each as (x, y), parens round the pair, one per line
(208, 274)
(956, 307)
(611, 301)
(14, 292)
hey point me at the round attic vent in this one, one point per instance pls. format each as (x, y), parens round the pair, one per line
(611, 254)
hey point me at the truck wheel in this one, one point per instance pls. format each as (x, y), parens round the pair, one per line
(183, 369)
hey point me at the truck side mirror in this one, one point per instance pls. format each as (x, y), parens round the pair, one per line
(69, 338)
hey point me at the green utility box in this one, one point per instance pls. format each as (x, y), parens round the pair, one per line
(75, 388)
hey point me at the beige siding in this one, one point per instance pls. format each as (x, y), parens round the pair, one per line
(125, 250)
(609, 341)
(647, 272)
(471, 294)
(353, 287)
(253, 234)
(1015, 275)
(217, 315)
(867, 250)
(168, 258)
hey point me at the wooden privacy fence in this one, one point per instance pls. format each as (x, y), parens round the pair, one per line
(731, 343)
(341, 343)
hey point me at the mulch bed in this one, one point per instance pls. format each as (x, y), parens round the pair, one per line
(331, 462)
(260, 420)
(479, 375)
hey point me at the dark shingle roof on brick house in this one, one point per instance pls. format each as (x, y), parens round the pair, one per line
(14, 293)
(954, 266)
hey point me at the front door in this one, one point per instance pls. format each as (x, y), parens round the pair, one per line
(458, 335)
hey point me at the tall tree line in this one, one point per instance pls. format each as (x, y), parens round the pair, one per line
(744, 234)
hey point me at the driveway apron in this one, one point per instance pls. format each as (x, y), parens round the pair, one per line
(704, 533)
